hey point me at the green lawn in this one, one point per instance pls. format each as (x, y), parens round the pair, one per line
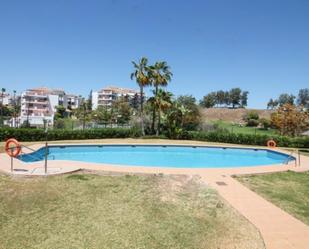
(244, 129)
(288, 190)
(95, 211)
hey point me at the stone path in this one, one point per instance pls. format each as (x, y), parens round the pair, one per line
(279, 229)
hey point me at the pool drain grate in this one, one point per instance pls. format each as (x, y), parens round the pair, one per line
(221, 183)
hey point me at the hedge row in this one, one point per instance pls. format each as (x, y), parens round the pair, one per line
(248, 139)
(24, 134)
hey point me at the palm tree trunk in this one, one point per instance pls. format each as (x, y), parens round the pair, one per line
(159, 122)
(154, 113)
(142, 110)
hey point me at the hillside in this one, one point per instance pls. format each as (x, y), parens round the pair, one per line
(231, 115)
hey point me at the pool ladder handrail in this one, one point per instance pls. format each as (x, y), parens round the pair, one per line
(290, 156)
(27, 147)
(29, 154)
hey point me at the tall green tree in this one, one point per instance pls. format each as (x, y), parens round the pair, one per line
(60, 112)
(102, 115)
(161, 102)
(122, 110)
(190, 114)
(244, 98)
(303, 97)
(135, 101)
(227, 98)
(220, 97)
(141, 75)
(235, 96)
(209, 100)
(272, 104)
(286, 98)
(160, 76)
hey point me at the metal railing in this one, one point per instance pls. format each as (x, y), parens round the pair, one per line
(32, 156)
(27, 147)
(286, 161)
(35, 157)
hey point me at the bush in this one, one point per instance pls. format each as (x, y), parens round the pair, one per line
(265, 123)
(248, 139)
(251, 119)
(252, 123)
(59, 124)
(26, 134)
(252, 115)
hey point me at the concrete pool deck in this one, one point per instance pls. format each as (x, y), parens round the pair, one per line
(279, 229)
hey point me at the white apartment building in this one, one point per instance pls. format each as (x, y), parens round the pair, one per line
(38, 105)
(106, 96)
(6, 98)
(72, 101)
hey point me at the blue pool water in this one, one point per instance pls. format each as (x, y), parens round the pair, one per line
(161, 156)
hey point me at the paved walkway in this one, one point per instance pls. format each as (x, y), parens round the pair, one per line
(278, 229)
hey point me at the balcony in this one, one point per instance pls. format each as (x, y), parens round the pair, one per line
(36, 94)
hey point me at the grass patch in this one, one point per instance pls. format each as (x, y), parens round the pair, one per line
(244, 129)
(288, 190)
(93, 211)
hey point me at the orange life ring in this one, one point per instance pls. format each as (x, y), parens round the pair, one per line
(12, 151)
(271, 143)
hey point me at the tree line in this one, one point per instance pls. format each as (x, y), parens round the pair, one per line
(234, 98)
(302, 99)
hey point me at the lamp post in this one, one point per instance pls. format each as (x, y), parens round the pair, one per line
(2, 96)
(14, 106)
(284, 121)
(84, 115)
(46, 145)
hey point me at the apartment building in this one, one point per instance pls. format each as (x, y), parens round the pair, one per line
(72, 101)
(9, 99)
(38, 105)
(6, 98)
(106, 96)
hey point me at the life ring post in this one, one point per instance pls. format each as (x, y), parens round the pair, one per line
(12, 163)
(12, 147)
(271, 143)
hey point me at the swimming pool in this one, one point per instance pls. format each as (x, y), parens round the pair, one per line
(161, 156)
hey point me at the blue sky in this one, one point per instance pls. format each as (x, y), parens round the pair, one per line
(259, 45)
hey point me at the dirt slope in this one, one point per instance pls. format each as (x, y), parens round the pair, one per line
(231, 115)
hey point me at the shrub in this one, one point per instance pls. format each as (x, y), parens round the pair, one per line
(252, 115)
(59, 124)
(26, 134)
(252, 123)
(248, 139)
(252, 119)
(265, 123)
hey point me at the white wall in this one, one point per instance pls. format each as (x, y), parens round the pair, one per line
(94, 100)
(53, 101)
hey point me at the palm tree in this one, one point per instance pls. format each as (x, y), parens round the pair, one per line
(161, 101)
(183, 111)
(160, 75)
(141, 75)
